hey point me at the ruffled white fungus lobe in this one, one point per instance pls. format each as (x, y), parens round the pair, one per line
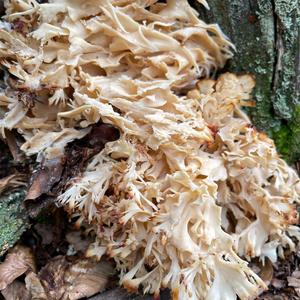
(190, 189)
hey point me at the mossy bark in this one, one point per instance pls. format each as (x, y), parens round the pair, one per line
(13, 218)
(266, 34)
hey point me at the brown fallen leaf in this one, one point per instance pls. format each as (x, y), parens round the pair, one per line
(87, 278)
(35, 287)
(266, 271)
(52, 276)
(19, 260)
(16, 291)
(294, 281)
(44, 178)
(11, 181)
(278, 283)
(61, 279)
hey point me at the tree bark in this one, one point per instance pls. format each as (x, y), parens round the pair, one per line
(13, 219)
(266, 34)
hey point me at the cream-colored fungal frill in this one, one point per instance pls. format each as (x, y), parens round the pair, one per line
(190, 187)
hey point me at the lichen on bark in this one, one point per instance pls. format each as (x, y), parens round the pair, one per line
(287, 74)
(13, 220)
(266, 34)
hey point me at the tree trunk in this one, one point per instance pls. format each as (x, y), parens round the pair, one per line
(266, 34)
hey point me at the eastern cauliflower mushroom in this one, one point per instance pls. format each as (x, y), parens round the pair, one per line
(159, 197)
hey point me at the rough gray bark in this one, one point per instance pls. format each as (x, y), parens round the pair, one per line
(13, 220)
(266, 34)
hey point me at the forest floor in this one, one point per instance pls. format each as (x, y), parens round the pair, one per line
(51, 237)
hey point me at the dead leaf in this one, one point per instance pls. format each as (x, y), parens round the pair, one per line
(87, 278)
(52, 276)
(61, 279)
(44, 178)
(296, 274)
(33, 284)
(16, 291)
(278, 283)
(294, 280)
(11, 181)
(19, 260)
(266, 272)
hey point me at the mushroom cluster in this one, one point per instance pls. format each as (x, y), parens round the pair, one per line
(191, 190)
